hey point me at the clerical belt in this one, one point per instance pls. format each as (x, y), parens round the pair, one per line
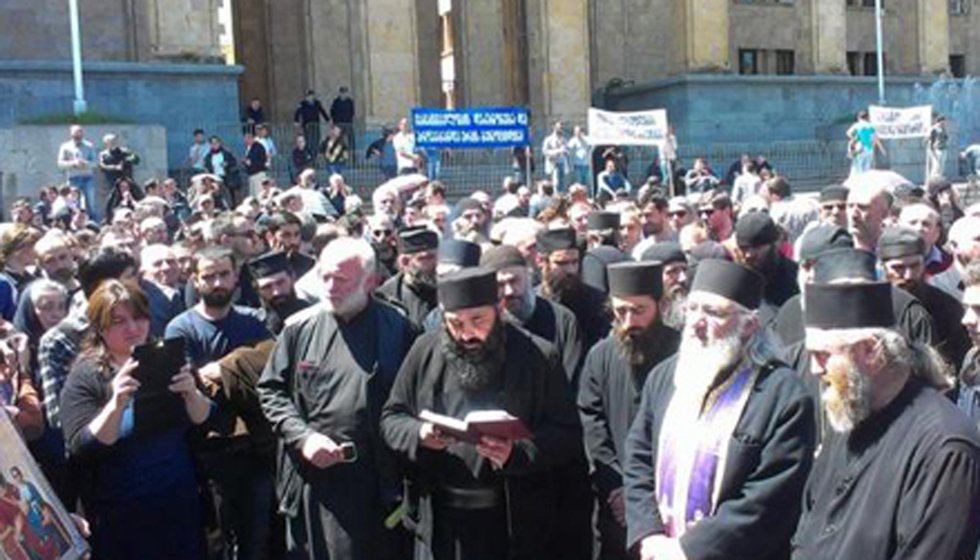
(693, 448)
(468, 498)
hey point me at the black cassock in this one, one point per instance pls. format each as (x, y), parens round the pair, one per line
(332, 377)
(590, 312)
(533, 388)
(608, 400)
(769, 456)
(418, 302)
(905, 484)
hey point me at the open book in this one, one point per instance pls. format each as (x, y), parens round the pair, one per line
(495, 423)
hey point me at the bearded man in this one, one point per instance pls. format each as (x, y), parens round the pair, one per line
(493, 499)
(323, 387)
(899, 474)
(758, 238)
(275, 281)
(723, 441)
(612, 381)
(559, 261)
(414, 287)
(672, 305)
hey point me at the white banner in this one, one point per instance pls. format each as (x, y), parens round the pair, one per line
(897, 122)
(638, 128)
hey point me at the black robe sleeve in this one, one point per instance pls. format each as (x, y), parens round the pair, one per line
(607, 474)
(275, 388)
(399, 418)
(939, 515)
(642, 514)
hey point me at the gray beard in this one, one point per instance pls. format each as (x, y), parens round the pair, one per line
(673, 309)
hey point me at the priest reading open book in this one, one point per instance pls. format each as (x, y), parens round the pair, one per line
(478, 423)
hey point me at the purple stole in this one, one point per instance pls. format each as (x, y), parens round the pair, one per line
(692, 449)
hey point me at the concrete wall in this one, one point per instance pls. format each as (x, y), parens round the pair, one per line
(28, 156)
(735, 109)
(178, 97)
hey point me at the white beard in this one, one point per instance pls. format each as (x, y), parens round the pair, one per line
(349, 306)
(847, 397)
(699, 364)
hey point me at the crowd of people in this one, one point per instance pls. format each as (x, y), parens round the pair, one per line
(548, 371)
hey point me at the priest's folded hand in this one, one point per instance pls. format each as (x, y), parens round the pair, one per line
(660, 547)
(496, 449)
(321, 451)
(431, 438)
(618, 505)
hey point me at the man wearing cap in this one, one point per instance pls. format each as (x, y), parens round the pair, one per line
(602, 228)
(724, 437)
(672, 305)
(328, 376)
(414, 285)
(470, 220)
(612, 381)
(556, 324)
(898, 476)
(901, 251)
(758, 238)
(275, 282)
(833, 205)
(495, 498)
(561, 282)
(454, 255)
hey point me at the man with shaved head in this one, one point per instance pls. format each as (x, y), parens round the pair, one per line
(868, 205)
(924, 219)
(964, 241)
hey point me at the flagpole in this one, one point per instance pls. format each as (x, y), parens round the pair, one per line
(880, 54)
(76, 58)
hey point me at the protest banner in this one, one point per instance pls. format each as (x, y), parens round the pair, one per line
(484, 127)
(893, 123)
(636, 128)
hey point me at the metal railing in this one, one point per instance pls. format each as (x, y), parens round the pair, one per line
(808, 164)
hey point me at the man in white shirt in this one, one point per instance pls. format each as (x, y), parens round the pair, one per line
(77, 158)
(580, 151)
(404, 144)
(555, 149)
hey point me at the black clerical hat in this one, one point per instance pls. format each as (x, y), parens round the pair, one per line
(595, 264)
(502, 256)
(598, 221)
(849, 306)
(833, 193)
(898, 242)
(459, 252)
(729, 280)
(416, 240)
(269, 264)
(636, 279)
(665, 251)
(468, 288)
(756, 229)
(551, 240)
(824, 237)
(839, 264)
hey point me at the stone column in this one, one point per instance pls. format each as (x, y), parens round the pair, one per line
(480, 53)
(933, 36)
(708, 38)
(391, 75)
(184, 29)
(829, 33)
(559, 60)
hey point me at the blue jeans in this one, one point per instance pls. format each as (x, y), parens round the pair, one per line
(433, 167)
(582, 174)
(558, 178)
(863, 161)
(338, 168)
(87, 186)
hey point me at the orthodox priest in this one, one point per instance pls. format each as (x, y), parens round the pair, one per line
(898, 476)
(612, 382)
(493, 499)
(276, 284)
(322, 390)
(720, 449)
(414, 287)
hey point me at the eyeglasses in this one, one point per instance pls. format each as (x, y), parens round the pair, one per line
(381, 232)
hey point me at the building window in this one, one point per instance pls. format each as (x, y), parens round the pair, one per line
(957, 65)
(785, 62)
(871, 64)
(854, 63)
(959, 7)
(748, 61)
(864, 3)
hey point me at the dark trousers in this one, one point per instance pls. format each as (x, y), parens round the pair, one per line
(459, 534)
(241, 485)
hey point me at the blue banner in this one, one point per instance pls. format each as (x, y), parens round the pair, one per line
(485, 127)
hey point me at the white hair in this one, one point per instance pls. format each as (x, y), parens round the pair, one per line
(344, 248)
(150, 252)
(52, 239)
(42, 287)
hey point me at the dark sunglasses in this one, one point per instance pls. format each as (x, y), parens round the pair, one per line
(381, 232)
(677, 214)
